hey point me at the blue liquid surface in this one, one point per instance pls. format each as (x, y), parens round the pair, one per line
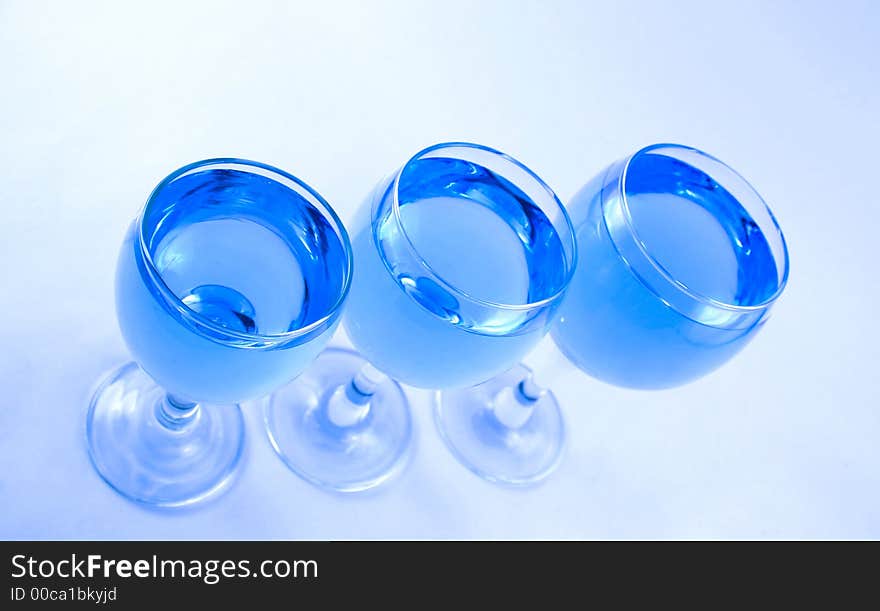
(245, 253)
(424, 318)
(615, 328)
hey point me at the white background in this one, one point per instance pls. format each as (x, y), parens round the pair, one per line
(99, 102)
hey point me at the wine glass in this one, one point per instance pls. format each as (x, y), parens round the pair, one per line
(461, 258)
(680, 263)
(228, 284)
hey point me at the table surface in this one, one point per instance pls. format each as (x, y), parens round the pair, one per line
(99, 102)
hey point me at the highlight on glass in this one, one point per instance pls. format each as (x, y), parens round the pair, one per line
(228, 284)
(680, 262)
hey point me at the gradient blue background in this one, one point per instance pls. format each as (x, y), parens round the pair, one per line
(99, 101)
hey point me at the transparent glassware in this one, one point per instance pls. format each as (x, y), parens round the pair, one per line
(462, 257)
(680, 262)
(228, 284)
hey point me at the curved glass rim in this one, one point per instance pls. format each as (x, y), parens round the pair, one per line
(572, 262)
(692, 294)
(274, 174)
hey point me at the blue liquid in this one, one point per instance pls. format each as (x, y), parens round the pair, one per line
(617, 329)
(482, 238)
(247, 254)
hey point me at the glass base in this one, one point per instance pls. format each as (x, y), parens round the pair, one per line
(341, 458)
(153, 459)
(514, 456)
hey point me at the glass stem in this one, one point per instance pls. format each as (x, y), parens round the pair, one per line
(175, 413)
(350, 403)
(514, 405)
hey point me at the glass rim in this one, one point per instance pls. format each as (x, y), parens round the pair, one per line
(571, 259)
(661, 269)
(283, 178)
